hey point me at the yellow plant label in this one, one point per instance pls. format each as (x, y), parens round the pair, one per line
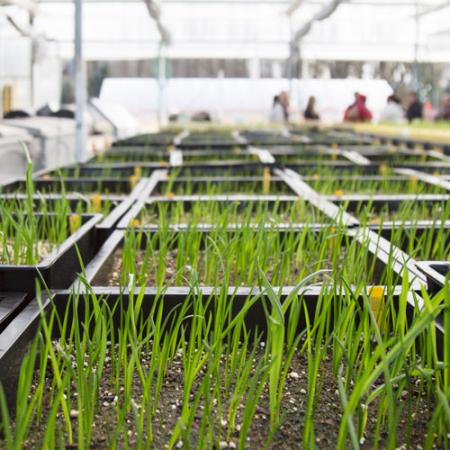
(133, 181)
(74, 223)
(316, 177)
(138, 171)
(339, 193)
(96, 202)
(46, 177)
(170, 195)
(163, 163)
(377, 303)
(266, 180)
(413, 181)
(383, 169)
(134, 223)
(334, 156)
(332, 240)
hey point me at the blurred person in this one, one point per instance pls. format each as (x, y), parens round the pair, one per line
(444, 112)
(350, 107)
(414, 108)
(277, 111)
(393, 111)
(284, 101)
(358, 111)
(310, 111)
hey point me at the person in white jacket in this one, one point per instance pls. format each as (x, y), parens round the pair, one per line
(277, 111)
(393, 111)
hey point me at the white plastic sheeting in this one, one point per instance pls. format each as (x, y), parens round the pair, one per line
(13, 160)
(55, 137)
(358, 30)
(241, 100)
(123, 123)
(15, 64)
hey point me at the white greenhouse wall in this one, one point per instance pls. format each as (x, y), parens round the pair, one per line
(240, 100)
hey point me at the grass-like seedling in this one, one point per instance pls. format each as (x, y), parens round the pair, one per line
(290, 210)
(372, 185)
(222, 186)
(257, 336)
(402, 158)
(430, 243)
(71, 186)
(319, 172)
(222, 171)
(405, 211)
(234, 258)
(199, 376)
(208, 156)
(129, 156)
(107, 171)
(62, 204)
(26, 238)
(310, 158)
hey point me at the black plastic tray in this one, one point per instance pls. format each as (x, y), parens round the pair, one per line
(437, 273)
(105, 186)
(176, 183)
(149, 139)
(60, 268)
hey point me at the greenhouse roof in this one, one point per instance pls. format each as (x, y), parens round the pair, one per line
(364, 30)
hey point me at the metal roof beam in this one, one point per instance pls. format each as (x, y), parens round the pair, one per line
(325, 12)
(433, 9)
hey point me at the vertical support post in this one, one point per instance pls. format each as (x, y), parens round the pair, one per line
(32, 61)
(416, 69)
(290, 61)
(162, 84)
(80, 84)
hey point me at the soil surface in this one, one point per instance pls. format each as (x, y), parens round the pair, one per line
(41, 248)
(413, 408)
(110, 275)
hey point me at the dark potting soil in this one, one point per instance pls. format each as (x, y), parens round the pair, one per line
(110, 275)
(414, 411)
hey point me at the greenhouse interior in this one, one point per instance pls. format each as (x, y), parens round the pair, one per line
(225, 224)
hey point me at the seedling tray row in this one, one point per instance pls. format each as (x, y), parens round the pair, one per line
(59, 268)
(15, 339)
(215, 251)
(410, 143)
(231, 185)
(108, 268)
(205, 210)
(145, 140)
(340, 215)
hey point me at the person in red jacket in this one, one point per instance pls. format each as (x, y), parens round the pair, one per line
(358, 111)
